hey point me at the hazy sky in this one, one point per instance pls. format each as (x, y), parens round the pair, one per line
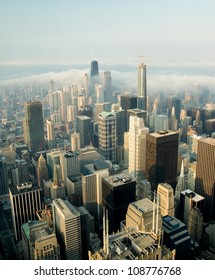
(65, 30)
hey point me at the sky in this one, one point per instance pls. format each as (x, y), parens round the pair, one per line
(62, 31)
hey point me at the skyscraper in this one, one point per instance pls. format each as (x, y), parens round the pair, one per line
(107, 86)
(141, 93)
(67, 225)
(94, 70)
(33, 125)
(166, 199)
(39, 241)
(162, 157)
(117, 192)
(137, 146)
(107, 135)
(84, 127)
(3, 176)
(25, 200)
(174, 101)
(205, 176)
(50, 133)
(69, 163)
(75, 142)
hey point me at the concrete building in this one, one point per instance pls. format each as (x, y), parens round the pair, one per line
(107, 135)
(166, 199)
(67, 225)
(39, 242)
(25, 200)
(137, 147)
(205, 176)
(145, 215)
(141, 91)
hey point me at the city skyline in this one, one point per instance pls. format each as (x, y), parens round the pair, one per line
(102, 103)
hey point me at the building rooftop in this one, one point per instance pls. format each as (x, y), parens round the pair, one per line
(144, 205)
(118, 179)
(162, 133)
(208, 140)
(105, 114)
(195, 197)
(68, 210)
(22, 188)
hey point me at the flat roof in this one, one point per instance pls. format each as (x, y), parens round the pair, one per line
(162, 133)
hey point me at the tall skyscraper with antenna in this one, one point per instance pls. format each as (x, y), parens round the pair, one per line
(141, 93)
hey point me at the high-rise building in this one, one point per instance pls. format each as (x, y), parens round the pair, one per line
(137, 147)
(54, 101)
(107, 84)
(128, 101)
(52, 158)
(173, 123)
(117, 192)
(166, 199)
(3, 176)
(195, 223)
(39, 241)
(162, 157)
(84, 127)
(188, 200)
(33, 125)
(99, 108)
(57, 188)
(42, 171)
(92, 192)
(67, 225)
(65, 100)
(176, 236)
(50, 126)
(141, 93)
(107, 135)
(161, 122)
(121, 125)
(75, 142)
(94, 71)
(145, 215)
(205, 176)
(25, 200)
(174, 101)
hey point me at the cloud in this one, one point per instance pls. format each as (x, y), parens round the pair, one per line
(162, 75)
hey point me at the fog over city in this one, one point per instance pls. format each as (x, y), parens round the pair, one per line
(162, 76)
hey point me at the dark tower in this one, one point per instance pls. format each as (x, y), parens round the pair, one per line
(162, 157)
(94, 68)
(33, 125)
(117, 192)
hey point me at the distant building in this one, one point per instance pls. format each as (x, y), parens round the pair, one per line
(84, 127)
(141, 92)
(3, 176)
(107, 135)
(33, 125)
